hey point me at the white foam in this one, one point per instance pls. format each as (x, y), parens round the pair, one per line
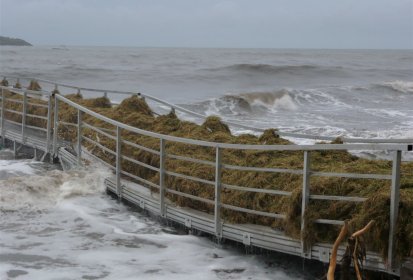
(46, 190)
(17, 167)
(401, 86)
(96, 236)
(285, 102)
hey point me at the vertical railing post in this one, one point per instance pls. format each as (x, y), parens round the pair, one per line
(79, 137)
(55, 125)
(394, 206)
(304, 200)
(3, 121)
(24, 116)
(162, 154)
(217, 201)
(49, 123)
(118, 161)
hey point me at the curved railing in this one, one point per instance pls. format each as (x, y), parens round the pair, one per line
(217, 226)
(56, 85)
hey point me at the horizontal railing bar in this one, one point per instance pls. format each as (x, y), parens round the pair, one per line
(107, 130)
(189, 196)
(262, 169)
(254, 212)
(37, 105)
(13, 111)
(36, 127)
(189, 178)
(140, 163)
(28, 91)
(248, 189)
(194, 160)
(36, 116)
(14, 100)
(140, 147)
(13, 122)
(67, 123)
(352, 175)
(329, 222)
(338, 198)
(316, 147)
(99, 145)
(140, 179)
(86, 125)
(99, 159)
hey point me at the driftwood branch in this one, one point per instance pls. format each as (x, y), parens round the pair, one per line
(355, 260)
(363, 230)
(353, 249)
(333, 259)
(355, 237)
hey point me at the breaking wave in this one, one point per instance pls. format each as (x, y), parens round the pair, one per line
(399, 86)
(45, 189)
(247, 103)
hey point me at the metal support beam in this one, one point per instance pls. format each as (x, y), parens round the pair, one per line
(3, 121)
(217, 208)
(79, 137)
(394, 207)
(24, 117)
(118, 161)
(162, 155)
(55, 126)
(49, 123)
(305, 200)
(14, 148)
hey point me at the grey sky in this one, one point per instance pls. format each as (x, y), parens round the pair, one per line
(212, 23)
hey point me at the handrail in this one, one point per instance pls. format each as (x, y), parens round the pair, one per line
(315, 147)
(235, 124)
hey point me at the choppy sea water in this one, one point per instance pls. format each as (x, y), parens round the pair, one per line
(354, 93)
(62, 225)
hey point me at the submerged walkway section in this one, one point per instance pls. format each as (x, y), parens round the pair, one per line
(40, 130)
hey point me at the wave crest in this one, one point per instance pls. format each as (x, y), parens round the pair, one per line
(247, 103)
(46, 190)
(399, 86)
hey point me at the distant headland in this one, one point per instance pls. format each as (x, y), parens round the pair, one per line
(7, 41)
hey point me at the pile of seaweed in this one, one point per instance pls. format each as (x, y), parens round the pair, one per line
(135, 112)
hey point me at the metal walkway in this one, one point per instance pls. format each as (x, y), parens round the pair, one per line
(16, 130)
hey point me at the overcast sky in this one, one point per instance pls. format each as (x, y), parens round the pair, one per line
(212, 23)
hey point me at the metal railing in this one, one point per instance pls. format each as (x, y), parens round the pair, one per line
(218, 165)
(175, 107)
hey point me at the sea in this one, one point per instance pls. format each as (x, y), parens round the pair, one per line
(57, 224)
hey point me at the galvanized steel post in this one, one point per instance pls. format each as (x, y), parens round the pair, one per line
(118, 161)
(304, 200)
(3, 130)
(79, 137)
(55, 125)
(162, 154)
(217, 209)
(49, 123)
(394, 206)
(24, 116)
